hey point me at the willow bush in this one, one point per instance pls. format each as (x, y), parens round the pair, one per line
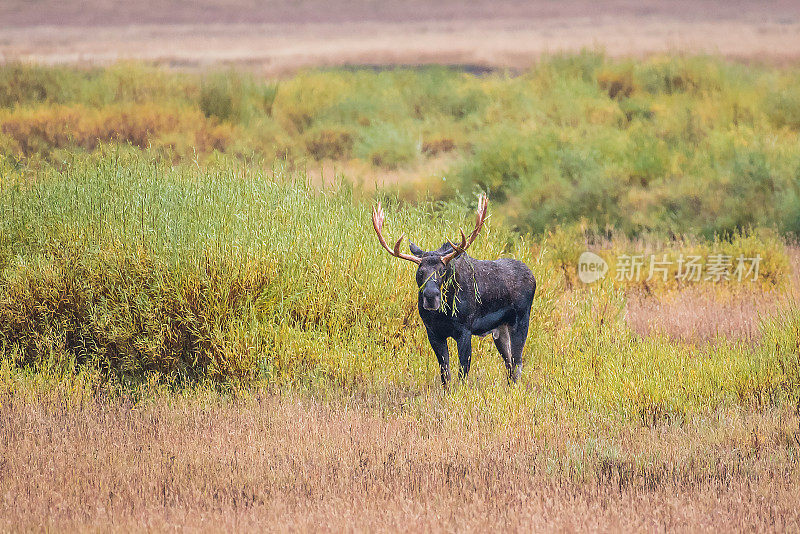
(235, 275)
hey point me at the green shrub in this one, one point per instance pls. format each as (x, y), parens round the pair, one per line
(751, 193)
(618, 83)
(506, 159)
(217, 98)
(333, 143)
(783, 107)
(236, 97)
(435, 145)
(301, 101)
(790, 209)
(545, 180)
(441, 92)
(671, 75)
(387, 145)
(22, 84)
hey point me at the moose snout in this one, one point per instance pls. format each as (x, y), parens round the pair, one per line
(430, 298)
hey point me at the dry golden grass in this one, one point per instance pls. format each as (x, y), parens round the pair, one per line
(88, 461)
(698, 315)
(708, 313)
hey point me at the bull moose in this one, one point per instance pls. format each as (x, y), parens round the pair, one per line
(461, 297)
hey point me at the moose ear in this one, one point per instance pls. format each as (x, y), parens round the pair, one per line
(415, 250)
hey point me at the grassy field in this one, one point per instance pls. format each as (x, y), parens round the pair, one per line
(76, 458)
(667, 145)
(208, 338)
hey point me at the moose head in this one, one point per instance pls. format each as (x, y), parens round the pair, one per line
(432, 265)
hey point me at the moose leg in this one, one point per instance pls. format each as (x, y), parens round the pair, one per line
(503, 343)
(518, 336)
(464, 343)
(439, 346)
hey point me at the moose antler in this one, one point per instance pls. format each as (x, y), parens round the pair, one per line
(377, 223)
(480, 218)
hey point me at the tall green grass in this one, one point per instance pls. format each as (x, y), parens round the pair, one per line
(236, 275)
(227, 272)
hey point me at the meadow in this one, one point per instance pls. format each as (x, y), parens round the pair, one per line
(667, 145)
(206, 336)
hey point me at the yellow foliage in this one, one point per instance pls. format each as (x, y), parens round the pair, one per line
(618, 83)
(46, 128)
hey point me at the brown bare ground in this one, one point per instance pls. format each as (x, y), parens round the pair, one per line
(703, 314)
(426, 174)
(281, 36)
(278, 463)
(700, 315)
